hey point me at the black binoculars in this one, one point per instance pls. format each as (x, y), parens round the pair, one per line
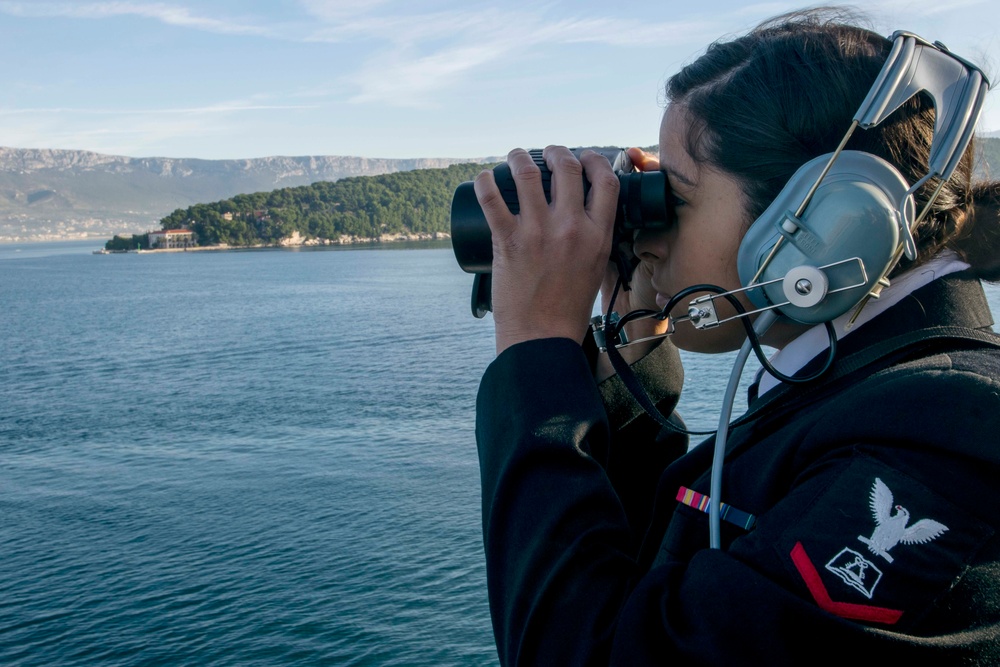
(644, 202)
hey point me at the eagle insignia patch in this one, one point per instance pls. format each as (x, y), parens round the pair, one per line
(886, 547)
(891, 526)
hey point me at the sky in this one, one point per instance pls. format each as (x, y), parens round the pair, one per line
(218, 79)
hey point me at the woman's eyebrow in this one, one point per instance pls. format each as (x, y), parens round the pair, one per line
(673, 175)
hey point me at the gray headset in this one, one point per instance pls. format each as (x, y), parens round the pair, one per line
(845, 219)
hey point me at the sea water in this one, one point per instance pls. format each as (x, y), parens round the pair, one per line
(247, 458)
(240, 458)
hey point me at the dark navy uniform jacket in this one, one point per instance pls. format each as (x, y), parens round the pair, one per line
(868, 506)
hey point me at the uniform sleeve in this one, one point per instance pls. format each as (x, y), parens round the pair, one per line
(811, 583)
(639, 448)
(551, 517)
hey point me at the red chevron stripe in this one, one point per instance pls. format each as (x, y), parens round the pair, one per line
(855, 612)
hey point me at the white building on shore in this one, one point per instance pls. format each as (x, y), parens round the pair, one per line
(171, 238)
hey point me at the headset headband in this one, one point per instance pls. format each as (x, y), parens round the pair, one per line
(956, 86)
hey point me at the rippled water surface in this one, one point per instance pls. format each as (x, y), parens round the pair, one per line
(246, 458)
(240, 458)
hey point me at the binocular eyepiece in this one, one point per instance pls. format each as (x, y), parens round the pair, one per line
(644, 202)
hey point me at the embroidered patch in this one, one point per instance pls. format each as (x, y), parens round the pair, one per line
(857, 612)
(700, 501)
(878, 538)
(856, 571)
(891, 529)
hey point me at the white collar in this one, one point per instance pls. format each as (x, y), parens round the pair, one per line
(806, 346)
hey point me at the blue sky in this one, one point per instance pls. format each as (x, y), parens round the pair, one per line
(380, 78)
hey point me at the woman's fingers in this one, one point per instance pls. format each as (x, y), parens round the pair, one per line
(528, 181)
(501, 221)
(567, 180)
(643, 161)
(602, 202)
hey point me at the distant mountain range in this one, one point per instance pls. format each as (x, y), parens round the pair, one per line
(60, 194)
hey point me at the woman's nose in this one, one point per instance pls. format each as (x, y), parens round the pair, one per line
(650, 246)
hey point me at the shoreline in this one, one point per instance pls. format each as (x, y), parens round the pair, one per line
(297, 242)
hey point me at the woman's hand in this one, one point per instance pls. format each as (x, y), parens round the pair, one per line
(549, 260)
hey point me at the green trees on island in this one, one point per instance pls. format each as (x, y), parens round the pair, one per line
(363, 207)
(134, 242)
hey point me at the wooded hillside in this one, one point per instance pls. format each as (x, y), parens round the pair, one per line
(362, 207)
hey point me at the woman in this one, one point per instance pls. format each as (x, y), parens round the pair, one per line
(867, 497)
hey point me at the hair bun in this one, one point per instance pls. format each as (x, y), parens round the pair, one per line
(979, 241)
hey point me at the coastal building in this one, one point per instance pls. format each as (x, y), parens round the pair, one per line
(171, 238)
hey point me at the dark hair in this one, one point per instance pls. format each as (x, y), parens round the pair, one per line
(764, 104)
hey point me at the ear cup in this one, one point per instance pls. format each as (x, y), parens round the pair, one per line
(856, 212)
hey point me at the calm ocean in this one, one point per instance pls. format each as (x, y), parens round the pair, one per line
(246, 458)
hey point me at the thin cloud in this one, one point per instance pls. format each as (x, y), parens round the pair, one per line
(409, 82)
(132, 131)
(122, 133)
(477, 26)
(165, 13)
(210, 109)
(625, 33)
(338, 10)
(926, 8)
(399, 29)
(416, 54)
(431, 52)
